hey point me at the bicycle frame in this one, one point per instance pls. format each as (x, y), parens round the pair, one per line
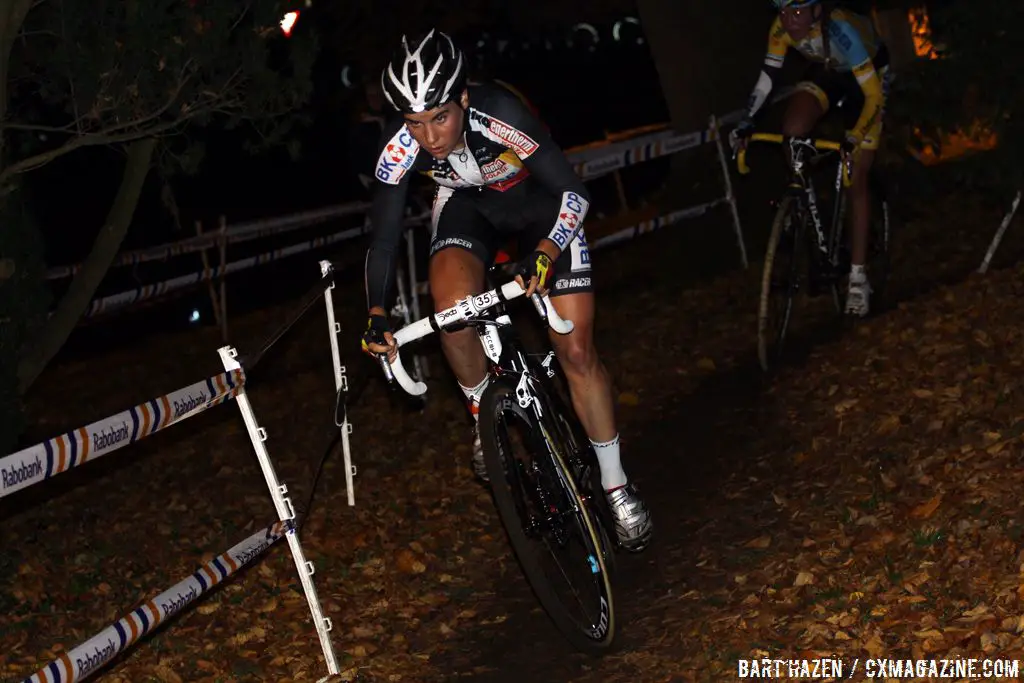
(801, 185)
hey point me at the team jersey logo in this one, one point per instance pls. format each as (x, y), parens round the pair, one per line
(396, 153)
(571, 214)
(499, 131)
(397, 157)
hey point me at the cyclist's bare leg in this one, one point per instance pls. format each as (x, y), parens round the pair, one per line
(589, 382)
(591, 389)
(455, 274)
(860, 200)
(802, 113)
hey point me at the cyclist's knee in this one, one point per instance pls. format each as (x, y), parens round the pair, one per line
(797, 126)
(577, 354)
(454, 274)
(802, 114)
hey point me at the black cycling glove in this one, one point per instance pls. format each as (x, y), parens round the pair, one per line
(376, 326)
(743, 130)
(538, 265)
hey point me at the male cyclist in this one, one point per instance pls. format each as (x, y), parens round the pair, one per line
(848, 62)
(499, 175)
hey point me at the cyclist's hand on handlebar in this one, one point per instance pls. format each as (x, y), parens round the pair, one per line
(852, 145)
(738, 136)
(534, 272)
(377, 339)
(851, 150)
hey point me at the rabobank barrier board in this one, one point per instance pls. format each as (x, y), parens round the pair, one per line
(89, 657)
(59, 454)
(593, 163)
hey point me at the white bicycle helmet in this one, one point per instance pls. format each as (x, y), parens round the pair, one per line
(424, 77)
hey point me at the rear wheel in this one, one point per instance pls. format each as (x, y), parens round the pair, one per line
(880, 245)
(551, 525)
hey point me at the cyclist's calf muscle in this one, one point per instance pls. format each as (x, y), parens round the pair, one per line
(589, 382)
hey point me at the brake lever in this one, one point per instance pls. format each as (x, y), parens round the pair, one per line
(538, 303)
(386, 366)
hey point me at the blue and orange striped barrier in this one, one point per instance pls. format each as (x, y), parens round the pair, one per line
(59, 454)
(236, 234)
(652, 224)
(89, 657)
(590, 161)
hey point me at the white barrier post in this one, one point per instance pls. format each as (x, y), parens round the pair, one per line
(340, 381)
(999, 234)
(285, 512)
(716, 132)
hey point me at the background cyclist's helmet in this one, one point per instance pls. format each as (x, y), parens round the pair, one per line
(795, 4)
(426, 74)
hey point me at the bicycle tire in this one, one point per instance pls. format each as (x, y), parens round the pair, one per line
(880, 246)
(769, 350)
(589, 481)
(499, 398)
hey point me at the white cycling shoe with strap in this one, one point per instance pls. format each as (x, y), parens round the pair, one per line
(633, 524)
(858, 297)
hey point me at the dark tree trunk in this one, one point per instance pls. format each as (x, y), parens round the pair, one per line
(94, 268)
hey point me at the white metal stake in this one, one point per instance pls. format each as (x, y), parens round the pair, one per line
(999, 234)
(729, 196)
(340, 382)
(285, 511)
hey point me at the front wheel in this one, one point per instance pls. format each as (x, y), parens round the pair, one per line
(552, 526)
(780, 282)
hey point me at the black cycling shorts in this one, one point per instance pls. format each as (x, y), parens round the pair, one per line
(483, 220)
(840, 90)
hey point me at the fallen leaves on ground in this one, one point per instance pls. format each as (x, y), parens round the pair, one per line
(865, 503)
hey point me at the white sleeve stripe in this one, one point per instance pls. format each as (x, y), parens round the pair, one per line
(761, 92)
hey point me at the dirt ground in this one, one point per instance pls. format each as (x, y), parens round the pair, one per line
(863, 502)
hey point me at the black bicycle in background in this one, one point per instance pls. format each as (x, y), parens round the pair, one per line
(543, 472)
(806, 255)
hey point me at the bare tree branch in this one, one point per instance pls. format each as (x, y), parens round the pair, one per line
(89, 140)
(71, 81)
(239, 19)
(14, 125)
(28, 34)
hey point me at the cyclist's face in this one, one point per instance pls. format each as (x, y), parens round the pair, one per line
(798, 21)
(439, 131)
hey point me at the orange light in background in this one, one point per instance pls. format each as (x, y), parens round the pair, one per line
(288, 22)
(974, 138)
(921, 31)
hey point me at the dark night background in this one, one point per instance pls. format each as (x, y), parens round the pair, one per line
(860, 501)
(581, 88)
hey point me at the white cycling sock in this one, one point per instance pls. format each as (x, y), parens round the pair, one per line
(474, 395)
(612, 475)
(857, 274)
